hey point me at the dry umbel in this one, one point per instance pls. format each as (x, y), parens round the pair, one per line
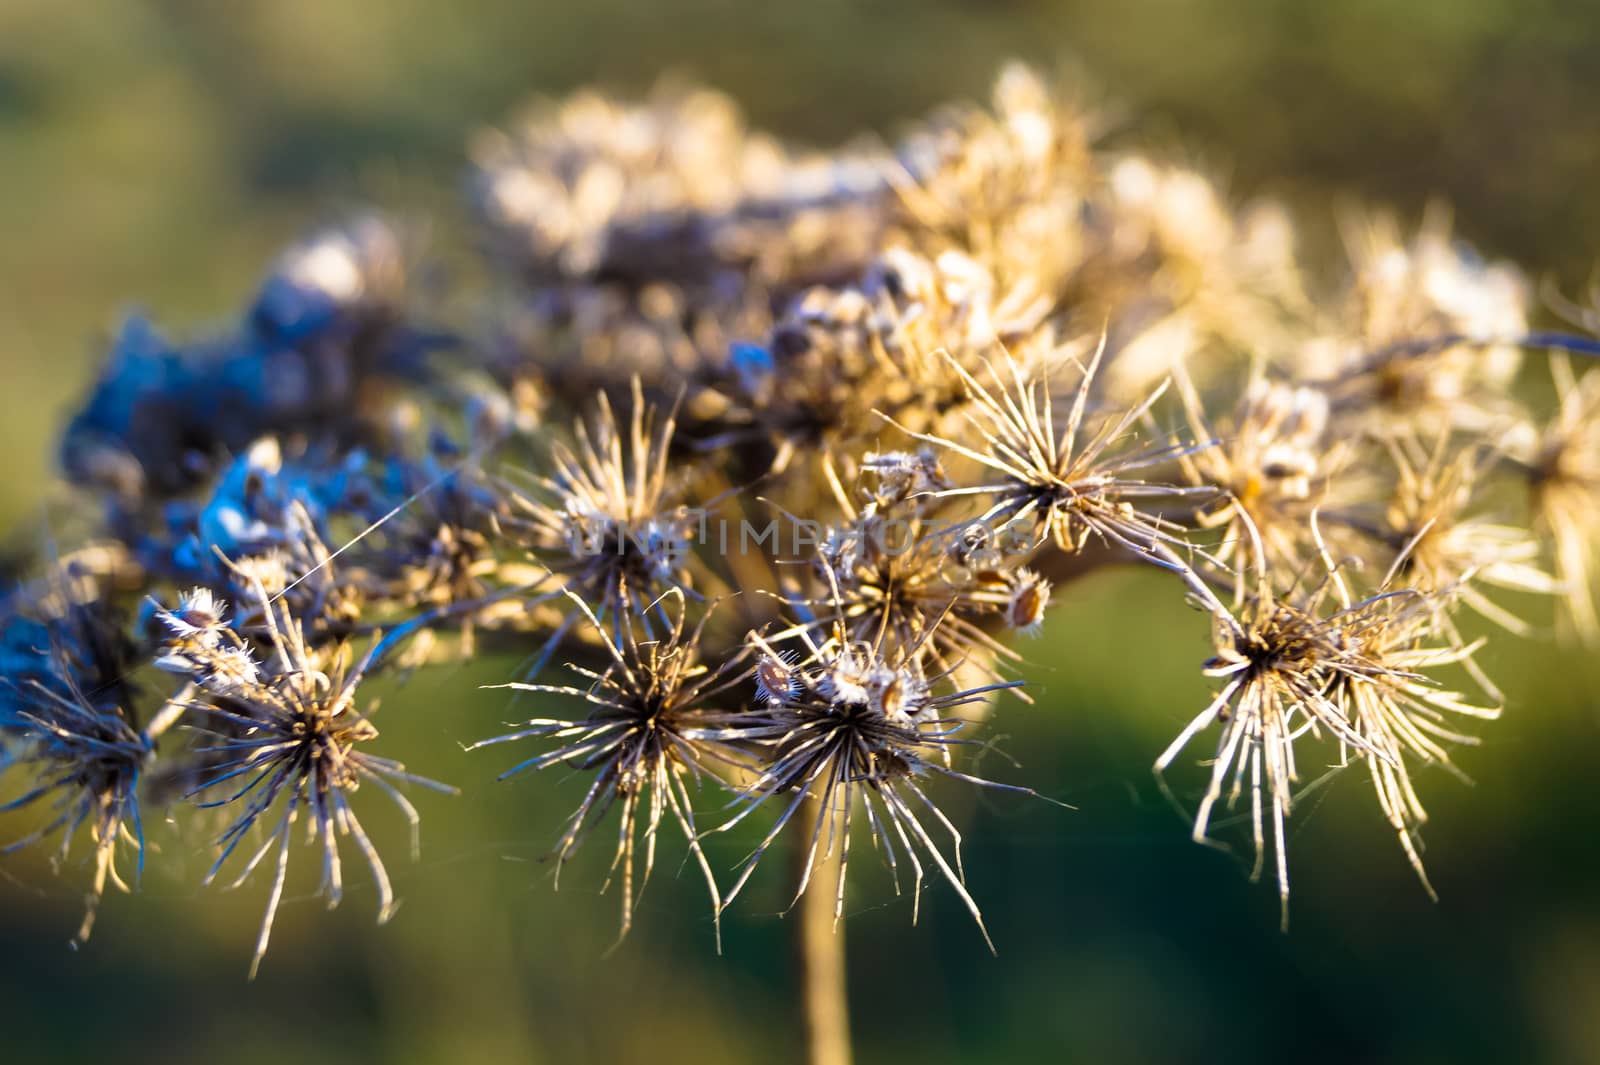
(882, 405)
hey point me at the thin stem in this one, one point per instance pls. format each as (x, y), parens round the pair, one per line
(170, 713)
(819, 949)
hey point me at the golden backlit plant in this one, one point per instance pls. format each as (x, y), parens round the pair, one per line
(777, 449)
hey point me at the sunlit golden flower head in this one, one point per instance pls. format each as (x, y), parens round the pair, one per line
(1315, 665)
(1404, 719)
(562, 189)
(1274, 657)
(1183, 280)
(952, 301)
(1435, 285)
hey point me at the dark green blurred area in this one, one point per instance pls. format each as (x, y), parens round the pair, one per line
(160, 152)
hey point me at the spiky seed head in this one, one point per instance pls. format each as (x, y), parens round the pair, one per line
(776, 678)
(199, 610)
(1028, 598)
(845, 675)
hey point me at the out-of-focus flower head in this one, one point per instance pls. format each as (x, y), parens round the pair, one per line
(675, 187)
(1007, 186)
(1562, 463)
(1272, 460)
(325, 332)
(68, 725)
(1427, 334)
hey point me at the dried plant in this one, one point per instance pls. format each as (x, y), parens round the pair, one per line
(653, 728)
(842, 423)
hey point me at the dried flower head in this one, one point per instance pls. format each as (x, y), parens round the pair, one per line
(67, 721)
(859, 724)
(1275, 658)
(867, 343)
(320, 351)
(1273, 462)
(657, 723)
(201, 646)
(888, 575)
(1427, 333)
(605, 521)
(1007, 186)
(1563, 471)
(1441, 542)
(1070, 482)
(1403, 718)
(286, 746)
(675, 187)
(1312, 665)
(1027, 597)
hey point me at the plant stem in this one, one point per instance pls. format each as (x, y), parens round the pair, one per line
(819, 950)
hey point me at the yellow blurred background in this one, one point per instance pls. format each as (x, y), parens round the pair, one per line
(158, 152)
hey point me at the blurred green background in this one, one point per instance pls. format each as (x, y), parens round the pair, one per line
(159, 152)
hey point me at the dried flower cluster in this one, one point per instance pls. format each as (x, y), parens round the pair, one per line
(778, 448)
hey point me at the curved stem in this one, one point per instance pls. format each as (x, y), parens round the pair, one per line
(819, 951)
